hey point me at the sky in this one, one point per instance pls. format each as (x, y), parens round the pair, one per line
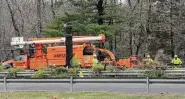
(124, 1)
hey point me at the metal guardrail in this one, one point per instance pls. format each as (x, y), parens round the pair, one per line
(72, 81)
(132, 73)
(85, 73)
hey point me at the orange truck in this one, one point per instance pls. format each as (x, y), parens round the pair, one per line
(52, 51)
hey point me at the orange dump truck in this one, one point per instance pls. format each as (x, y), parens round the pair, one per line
(52, 51)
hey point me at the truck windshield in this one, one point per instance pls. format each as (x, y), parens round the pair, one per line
(20, 58)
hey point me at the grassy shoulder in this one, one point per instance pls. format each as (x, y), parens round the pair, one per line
(86, 95)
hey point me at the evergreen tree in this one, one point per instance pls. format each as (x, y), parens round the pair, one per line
(91, 17)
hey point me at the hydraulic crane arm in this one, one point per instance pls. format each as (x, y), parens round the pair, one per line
(111, 55)
(82, 39)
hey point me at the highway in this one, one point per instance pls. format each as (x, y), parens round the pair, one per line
(91, 87)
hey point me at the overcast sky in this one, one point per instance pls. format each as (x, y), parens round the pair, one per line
(124, 1)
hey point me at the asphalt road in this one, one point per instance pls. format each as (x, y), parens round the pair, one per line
(91, 87)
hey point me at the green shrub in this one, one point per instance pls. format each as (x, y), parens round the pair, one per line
(73, 71)
(154, 73)
(19, 70)
(60, 70)
(11, 72)
(63, 75)
(75, 62)
(2, 68)
(39, 74)
(97, 67)
(110, 68)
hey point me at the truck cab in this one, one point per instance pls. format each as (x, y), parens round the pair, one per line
(21, 61)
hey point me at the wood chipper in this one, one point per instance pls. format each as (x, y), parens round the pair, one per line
(42, 52)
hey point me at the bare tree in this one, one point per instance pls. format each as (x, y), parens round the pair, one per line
(12, 15)
(130, 23)
(53, 9)
(39, 19)
(171, 30)
(0, 22)
(14, 2)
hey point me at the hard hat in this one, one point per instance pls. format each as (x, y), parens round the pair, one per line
(148, 56)
(175, 56)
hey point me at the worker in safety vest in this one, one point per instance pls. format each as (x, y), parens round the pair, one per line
(31, 50)
(81, 74)
(95, 60)
(106, 60)
(148, 60)
(176, 61)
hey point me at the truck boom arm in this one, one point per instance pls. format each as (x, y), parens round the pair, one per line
(100, 37)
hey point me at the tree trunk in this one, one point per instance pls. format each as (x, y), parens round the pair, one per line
(148, 31)
(21, 15)
(171, 30)
(129, 3)
(133, 43)
(17, 32)
(140, 40)
(131, 48)
(130, 24)
(111, 44)
(149, 17)
(100, 11)
(115, 43)
(53, 9)
(39, 21)
(1, 11)
(137, 50)
(3, 41)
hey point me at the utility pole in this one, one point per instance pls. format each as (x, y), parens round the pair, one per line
(68, 43)
(171, 29)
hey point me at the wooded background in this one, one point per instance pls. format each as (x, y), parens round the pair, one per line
(133, 27)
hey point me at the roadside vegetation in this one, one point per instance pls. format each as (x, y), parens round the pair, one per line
(39, 74)
(59, 72)
(2, 68)
(86, 95)
(76, 71)
(63, 72)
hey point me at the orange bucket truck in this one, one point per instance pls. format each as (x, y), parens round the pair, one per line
(43, 52)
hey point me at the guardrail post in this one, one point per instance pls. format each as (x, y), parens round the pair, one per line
(5, 85)
(148, 84)
(71, 84)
